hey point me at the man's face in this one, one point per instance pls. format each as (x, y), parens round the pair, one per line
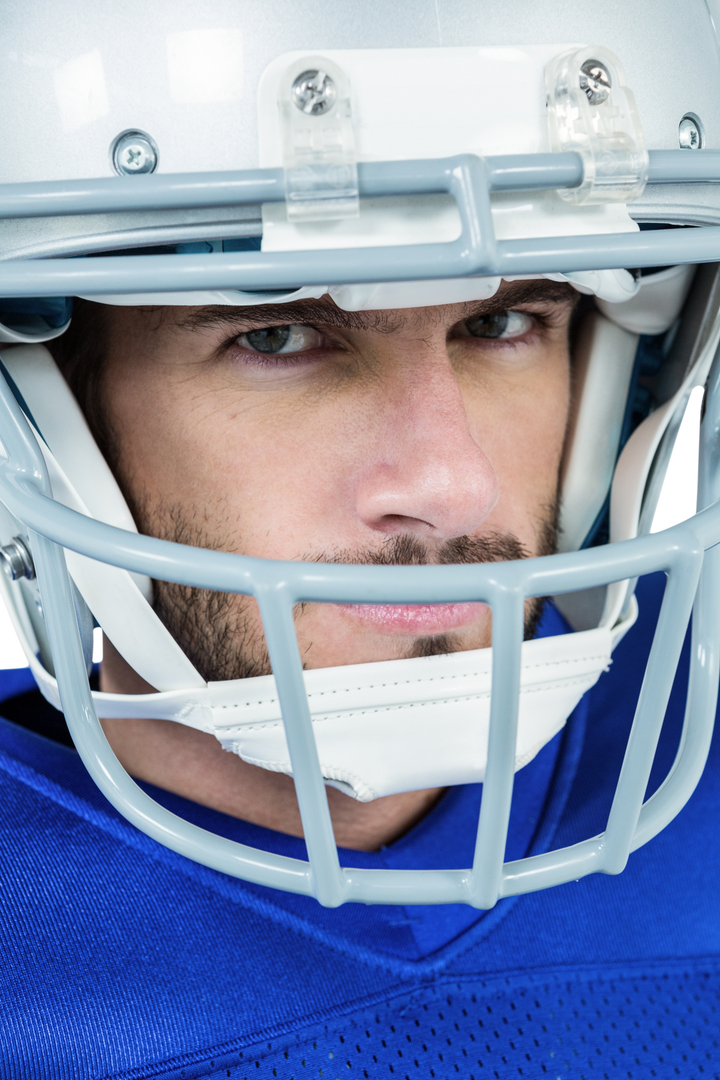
(299, 431)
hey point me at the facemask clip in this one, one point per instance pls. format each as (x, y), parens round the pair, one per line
(321, 181)
(592, 112)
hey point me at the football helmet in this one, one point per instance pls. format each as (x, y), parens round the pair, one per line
(388, 156)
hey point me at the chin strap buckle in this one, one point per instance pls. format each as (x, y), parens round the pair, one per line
(321, 181)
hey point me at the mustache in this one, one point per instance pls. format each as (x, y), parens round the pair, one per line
(406, 550)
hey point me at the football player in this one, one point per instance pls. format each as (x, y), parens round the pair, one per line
(344, 352)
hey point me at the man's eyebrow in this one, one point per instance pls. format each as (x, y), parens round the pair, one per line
(294, 311)
(320, 311)
(534, 291)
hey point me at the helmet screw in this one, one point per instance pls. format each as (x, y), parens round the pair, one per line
(133, 152)
(314, 92)
(689, 133)
(17, 560)
(595, 82)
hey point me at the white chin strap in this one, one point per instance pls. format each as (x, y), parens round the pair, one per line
(393, 726)
(405, 725)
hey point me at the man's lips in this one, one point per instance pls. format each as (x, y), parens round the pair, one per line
(420, 620)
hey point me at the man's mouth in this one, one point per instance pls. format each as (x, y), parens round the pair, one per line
(419, 620)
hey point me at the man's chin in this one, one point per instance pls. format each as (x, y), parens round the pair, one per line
(441, 645)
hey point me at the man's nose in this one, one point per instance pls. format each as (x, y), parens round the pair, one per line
(424, 472)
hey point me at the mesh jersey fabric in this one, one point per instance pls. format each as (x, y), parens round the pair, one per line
(124, 960)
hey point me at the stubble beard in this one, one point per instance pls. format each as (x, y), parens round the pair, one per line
(221, 632)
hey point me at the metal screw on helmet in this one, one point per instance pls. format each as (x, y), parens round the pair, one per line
(595, 82)
(133, 152)
(17, 560)
(314, 92)
(689, 134)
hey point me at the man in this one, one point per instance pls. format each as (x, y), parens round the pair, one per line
(332, 449)
(423, 436)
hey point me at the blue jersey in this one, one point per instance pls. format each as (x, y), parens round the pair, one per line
(123, 960)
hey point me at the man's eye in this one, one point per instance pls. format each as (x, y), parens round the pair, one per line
(280, 339)
(503, 324)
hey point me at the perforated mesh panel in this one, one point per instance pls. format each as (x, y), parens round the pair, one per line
(599, 1028)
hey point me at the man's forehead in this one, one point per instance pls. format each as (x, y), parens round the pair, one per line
(325, 311)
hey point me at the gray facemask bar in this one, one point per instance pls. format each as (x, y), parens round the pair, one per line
(468, 178)
(278, 586)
